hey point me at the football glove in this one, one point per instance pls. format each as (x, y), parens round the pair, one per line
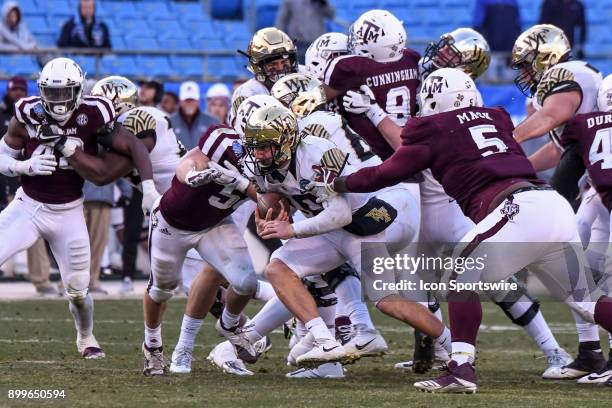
(364, 102)
(67, 145)
(41, 165)
(149, 195)
(197, 178)
(228, 175)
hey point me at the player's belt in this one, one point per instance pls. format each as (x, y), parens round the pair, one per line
(515, 188)
(523, 189)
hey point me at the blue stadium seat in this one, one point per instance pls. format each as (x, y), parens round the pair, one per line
(134, 27)
(174, 42)
(207, 44)
(29, 7)
(56, 8)
(24, 65)
(167, 26)
(125, 9)
(141, 43)
(221, 66)
(155, 9)
(189, 10)
(86, 62)
(46, 40)
(265, 13)
(117, 42)
(187, 65)
(226, 9)
(200, 28)
(37, 25)
(55, 23)
(119, 65)
(154, 65)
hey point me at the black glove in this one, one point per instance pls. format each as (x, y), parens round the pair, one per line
(49, 133)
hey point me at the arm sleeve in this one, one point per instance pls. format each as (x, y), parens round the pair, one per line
(336, 214)
(405, 162)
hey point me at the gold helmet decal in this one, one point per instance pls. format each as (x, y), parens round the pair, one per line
(274, 128)
(269, 44)
(536, 50)
(301, 93)
(119, 90)
(463, 48)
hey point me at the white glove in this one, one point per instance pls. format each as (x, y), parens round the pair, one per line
(149, 195)
(67, 146)
(364, 102)
(197, 178)
(228, 174)
(41, 165)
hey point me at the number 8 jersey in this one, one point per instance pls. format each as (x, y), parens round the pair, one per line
(198, 208)
(394, 84)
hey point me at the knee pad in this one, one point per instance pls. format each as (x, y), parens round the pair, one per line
(338, 275)
(165, 274)
(245, 285)
(526, 317)
(160, 295)
(80, 256)
(76, 296)
(324, 296)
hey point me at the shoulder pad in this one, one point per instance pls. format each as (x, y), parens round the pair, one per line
(556, 79)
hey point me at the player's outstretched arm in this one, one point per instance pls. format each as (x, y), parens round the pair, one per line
(403, 164)
(546, 157)
(126, 143)
(191, 169)
(102, 169)
(10, 149)
(556, 110)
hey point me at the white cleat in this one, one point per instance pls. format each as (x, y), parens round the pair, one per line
(328, 370)
(154, 363)
(303, 346)
(237, 336)
(89, 348)
(127, 286)
(224, 357)
(181, 361)
(323, 351)
(599, 377)
(366, 343)
(556, 360)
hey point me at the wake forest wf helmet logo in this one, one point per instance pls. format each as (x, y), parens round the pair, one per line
(113, 88)
(536, 38)
(370, 32)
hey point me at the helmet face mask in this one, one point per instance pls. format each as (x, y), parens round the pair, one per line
(61, 86)
(301, 93)
(270, 139)
(268, 45)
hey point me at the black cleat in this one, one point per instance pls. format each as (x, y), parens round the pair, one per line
(424, 352)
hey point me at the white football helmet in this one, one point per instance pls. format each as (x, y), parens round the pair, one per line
(323, 50)
(248, 106)
(379, 35)
(447, 89)
(61, 85)
(604, 95)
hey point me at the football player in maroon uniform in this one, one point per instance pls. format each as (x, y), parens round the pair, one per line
(47, 131)
(472, 153)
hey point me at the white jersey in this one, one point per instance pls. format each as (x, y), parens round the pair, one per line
(250, 88)
(571, 75)
(331, 126)
(313, 154)
(168, 150)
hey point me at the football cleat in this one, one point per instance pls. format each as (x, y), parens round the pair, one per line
(224, 357)
(556, 360)
(181, 361)
(456, 379)
(328, 370)
(323, 351)
(599, 377)
(424, 353)
(366, 343)
(89, 348)
(154, 364)
(304, 345)
(237, 337)
(127, 286)
(587, 362)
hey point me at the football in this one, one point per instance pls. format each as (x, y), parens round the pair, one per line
(272, 200)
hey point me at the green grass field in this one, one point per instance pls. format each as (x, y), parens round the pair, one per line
(37, 351)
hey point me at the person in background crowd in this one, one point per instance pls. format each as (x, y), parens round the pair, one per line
(499, 22)
(97, 205)
(169, 103)
(218, 101)
(150, 92)
(14, 34)
(292, 15)
(38, 258)
(190, 122)
(83, 30)
(568, 15)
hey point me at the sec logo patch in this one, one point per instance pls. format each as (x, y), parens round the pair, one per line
(82, 120)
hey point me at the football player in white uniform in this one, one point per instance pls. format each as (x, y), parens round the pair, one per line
(272, 55)
(279, 161)
(50, 131)
(560, 88)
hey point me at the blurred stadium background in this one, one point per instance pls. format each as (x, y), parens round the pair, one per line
(177, 40)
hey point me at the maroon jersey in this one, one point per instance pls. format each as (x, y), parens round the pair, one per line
(593, 134)
(199, 208)
(470, 151)
(65, 184)
(394, 84)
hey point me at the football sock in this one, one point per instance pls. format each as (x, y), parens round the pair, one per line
(153, 338)
(463, 352)
(189, 330)
(83, 316)
(319, 329)
(359, 315)
(445, 339)
(300, 329)
(229, 320)
(265, 291)
(271, 316)
(539, 331)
